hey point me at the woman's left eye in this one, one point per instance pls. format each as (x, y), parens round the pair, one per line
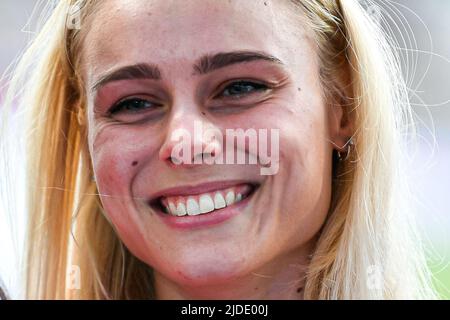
(242, 88)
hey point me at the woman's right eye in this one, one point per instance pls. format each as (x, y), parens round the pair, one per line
(132, 105)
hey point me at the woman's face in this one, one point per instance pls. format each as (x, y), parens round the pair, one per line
(133, 114)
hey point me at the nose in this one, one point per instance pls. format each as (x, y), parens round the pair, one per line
(190, 138)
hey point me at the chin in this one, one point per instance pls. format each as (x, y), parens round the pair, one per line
(207, 271)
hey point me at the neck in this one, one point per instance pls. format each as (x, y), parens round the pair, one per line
(281, 278)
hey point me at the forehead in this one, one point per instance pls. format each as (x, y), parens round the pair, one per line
(172, 33)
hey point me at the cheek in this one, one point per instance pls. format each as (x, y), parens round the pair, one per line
(305, 167)
(118, 153)
(113, 172)
(113, 168)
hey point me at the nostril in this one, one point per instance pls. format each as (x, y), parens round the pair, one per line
(175, 160)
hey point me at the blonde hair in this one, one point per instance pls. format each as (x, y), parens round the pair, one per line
(368, 247)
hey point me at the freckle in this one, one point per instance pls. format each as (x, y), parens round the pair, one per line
(299, 89)
(265, 3)
(134, 163)
(299, 289)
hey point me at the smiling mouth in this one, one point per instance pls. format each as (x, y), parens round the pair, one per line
(203, 203)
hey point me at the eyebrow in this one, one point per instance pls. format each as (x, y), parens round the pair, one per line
(204, 65)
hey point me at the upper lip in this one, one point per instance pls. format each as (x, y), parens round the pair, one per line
(187, 190)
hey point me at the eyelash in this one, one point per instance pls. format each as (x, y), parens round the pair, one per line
(122, 105)
(258, 86)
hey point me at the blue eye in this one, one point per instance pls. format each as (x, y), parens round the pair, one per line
(242, 88)
(132, 105)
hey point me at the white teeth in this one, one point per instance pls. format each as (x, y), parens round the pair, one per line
(206, 204)
(192, 207)
(229, 198)
(219, 201)
(172, 208)
(181, 209)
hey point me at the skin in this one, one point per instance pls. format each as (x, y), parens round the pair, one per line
(262, 252)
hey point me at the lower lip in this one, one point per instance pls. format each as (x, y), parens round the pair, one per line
(207, 219)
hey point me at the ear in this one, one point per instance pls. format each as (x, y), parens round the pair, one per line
(341, 123)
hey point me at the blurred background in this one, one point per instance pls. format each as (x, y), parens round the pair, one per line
(422, 31)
